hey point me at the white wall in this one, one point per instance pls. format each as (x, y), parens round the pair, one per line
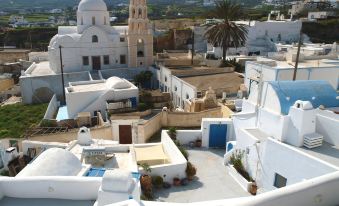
(177, 165)
(52, 108)
(205, 127)
(115, 127)
(187, 136)
(327, 124)
(291, 163)
(43, 145)
(71, 188)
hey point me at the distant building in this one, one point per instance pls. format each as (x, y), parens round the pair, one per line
(94, 96)
(315, 63)
(318, 15)
(209, 3)
(91, 50)
(94, 45)
(261, 37)
(185, 82)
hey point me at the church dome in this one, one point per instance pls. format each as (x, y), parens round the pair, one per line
(92, 5)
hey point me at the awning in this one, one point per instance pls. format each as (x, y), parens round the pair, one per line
(152, 155)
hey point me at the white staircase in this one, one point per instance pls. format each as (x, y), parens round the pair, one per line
(313, 140)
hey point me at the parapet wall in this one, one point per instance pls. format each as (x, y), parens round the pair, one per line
(56, 187)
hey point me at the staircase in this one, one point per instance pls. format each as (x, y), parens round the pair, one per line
(95, 75)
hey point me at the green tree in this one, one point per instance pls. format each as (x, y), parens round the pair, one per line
(224, 32)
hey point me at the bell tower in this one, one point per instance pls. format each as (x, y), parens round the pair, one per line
(140, 37)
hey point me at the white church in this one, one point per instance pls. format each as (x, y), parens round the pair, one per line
(95, 45)
(92, 50)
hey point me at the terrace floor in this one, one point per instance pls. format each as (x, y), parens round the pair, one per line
(212, 182)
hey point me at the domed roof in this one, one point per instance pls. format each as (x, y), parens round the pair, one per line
(53, 162)
(117, 83)
(92, 5)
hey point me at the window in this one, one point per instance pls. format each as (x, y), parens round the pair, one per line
(122, 59)
(175, 88)
(187, 96)
(95, 39)
(140, 54)
(105, 22)
(85, 61)
(122, 39)
(82, 20)
(279, 181)
(165, 79)
(140, 13)
(93, 20)
(106, 59)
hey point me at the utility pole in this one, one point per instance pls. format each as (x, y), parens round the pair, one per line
(192, 46)
(62, 77)
(297, 59)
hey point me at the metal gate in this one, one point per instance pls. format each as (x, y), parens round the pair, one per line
(217, 137)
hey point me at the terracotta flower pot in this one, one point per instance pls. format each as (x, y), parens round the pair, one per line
(198, 143)
(176, 182)
(253, 189)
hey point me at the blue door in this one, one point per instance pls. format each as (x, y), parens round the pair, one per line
(217, 136)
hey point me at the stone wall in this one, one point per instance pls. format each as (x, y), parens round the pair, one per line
(174, 119)
(11, 56)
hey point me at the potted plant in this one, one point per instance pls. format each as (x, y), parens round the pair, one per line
(145, 179)
(176, 181)
(198, 142)
(253, 188)
(172, 132)
(184, 181)
(158, 181)
(191, 170)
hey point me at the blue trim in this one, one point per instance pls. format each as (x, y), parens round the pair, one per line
(218, 135)
(316, 91)
(134, 102)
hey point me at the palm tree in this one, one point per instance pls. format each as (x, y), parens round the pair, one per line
(223, 31)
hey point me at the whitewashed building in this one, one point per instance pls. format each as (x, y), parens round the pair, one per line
(316, 62)
(91, 50)
(287, 132)
(262, 36)
(94, 45)
(94, 96)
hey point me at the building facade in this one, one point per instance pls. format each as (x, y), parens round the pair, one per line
(95, 45)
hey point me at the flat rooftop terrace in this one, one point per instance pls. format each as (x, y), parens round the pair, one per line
(227, 81)
(87, 87)
(321, 63)
(212, 181)
(183, 71)
(327, 152)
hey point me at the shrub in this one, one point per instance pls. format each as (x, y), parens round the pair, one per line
(236, 161)
(183, 152)
(172, 132)
(142, 107)
(191, 170)
(158, 181)
(4, 173)
(146, 167)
